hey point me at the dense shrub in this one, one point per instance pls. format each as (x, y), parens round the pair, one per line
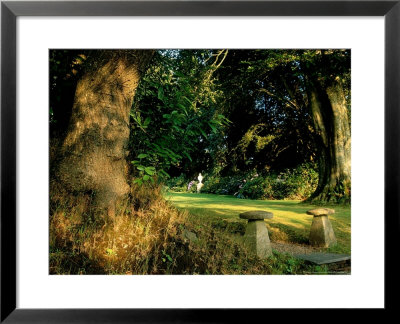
(229, 185)
(298, 183)
(181, 184)
(211, 184)
(192, 186)
(255, 188)
(177, 184)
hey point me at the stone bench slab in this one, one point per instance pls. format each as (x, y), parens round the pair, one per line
(320, 211)
(323, 258)
(256, 215)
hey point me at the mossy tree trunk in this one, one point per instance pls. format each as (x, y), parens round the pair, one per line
(92, 157)
(331, 122)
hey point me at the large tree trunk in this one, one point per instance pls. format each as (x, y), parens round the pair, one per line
(329, 111)
(91, 159)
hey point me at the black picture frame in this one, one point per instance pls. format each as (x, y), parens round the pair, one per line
(10, 10)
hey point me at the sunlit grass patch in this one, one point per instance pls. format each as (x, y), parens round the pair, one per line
(289, 224)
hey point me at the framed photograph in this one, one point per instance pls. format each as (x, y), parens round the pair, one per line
(232, 85)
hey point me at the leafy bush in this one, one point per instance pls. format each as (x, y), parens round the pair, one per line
(181, 184)
(253, 189)
(192, 186)
(229, 185)
(211, 184)
(178, 184)
(298, 183)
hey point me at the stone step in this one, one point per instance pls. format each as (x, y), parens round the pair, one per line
(323, 258)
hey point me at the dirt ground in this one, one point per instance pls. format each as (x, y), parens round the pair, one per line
(292, 248)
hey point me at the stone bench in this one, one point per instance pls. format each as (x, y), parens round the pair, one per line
(321, 232)
(256, 236)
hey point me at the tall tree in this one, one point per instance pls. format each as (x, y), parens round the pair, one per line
(319, 80)
(326, 77)
(91, 158)
(270, 127)
(298, 105)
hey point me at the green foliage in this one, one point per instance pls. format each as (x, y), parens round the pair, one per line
(145, 173)
(203, 110)
(228, 114)
(298, 183)
(192, 186)
(255, 188)
(177, 184)
(224, 185)
(252, 137)
(286, 264)
(175, 109)
(266, 100)
(181, 184)
(211, 184)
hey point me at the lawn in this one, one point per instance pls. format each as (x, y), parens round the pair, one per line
(289, 224)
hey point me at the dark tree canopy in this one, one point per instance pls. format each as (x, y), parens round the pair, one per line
(216, 111)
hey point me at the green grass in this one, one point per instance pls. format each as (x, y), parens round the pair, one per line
(289, 224)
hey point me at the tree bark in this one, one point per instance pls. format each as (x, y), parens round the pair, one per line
(92, 157)
(329, 111)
